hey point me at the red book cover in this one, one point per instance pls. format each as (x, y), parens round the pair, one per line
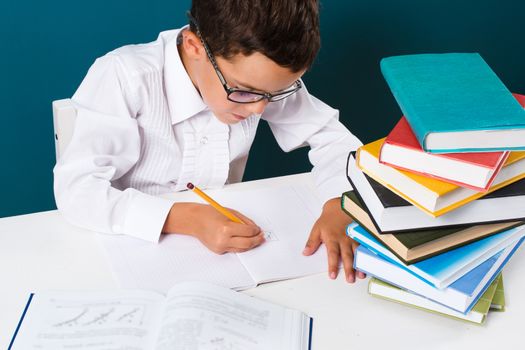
(520, 98)
(403, 136)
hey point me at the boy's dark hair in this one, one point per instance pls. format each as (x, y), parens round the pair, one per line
(286, 31)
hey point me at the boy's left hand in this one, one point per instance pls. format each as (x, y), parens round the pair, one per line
(330, 229)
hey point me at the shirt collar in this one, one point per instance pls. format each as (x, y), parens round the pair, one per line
(184, 100)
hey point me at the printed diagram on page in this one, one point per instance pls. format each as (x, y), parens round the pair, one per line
(71, 315)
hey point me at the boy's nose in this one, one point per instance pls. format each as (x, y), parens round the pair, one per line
(257, 107)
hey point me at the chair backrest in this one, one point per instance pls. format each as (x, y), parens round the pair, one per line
(64, 116)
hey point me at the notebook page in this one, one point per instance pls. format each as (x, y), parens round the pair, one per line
(203, 316)
(90, 320)
(176, 258)
(286, 214)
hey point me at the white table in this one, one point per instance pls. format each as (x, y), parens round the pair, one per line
(42, 251)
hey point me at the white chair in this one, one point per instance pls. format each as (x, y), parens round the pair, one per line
(64, 116)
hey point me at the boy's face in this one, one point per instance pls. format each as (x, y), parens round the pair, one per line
(254, 72)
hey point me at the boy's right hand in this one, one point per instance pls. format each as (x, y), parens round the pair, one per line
(214, 230)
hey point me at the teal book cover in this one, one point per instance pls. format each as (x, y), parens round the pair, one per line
(454, 102)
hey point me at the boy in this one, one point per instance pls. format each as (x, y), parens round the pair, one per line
(154, 117)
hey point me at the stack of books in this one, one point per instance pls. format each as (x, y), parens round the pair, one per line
(439, 204)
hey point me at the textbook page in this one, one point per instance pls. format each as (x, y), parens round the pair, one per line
(60, 320)
(206, 317)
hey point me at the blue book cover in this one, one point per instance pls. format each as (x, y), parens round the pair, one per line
(442, 270)
(471, 286)
(443, 94)
(468, 283)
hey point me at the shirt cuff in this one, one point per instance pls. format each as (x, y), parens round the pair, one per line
(333, 188)
(146, 217)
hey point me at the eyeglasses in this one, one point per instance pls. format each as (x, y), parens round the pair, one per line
(240, 95)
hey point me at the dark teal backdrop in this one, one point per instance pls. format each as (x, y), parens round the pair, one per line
(47, 47)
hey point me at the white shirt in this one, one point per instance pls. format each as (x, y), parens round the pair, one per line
(142, 130)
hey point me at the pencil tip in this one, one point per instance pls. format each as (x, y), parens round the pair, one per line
(190, 186)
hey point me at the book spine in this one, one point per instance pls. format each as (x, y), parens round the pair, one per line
(310, 333)
(416, 123)
(20, 322)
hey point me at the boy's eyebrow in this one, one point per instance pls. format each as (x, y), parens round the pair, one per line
(249, 87)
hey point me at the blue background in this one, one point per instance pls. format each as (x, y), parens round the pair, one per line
(47, 47)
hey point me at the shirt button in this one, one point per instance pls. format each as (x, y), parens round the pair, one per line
(204, 140)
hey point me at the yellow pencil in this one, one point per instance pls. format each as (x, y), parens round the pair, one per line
(214, 204)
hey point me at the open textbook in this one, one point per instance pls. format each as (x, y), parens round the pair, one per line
(193, 315)
(285, 213)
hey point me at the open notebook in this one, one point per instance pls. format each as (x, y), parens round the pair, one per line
(285, 213)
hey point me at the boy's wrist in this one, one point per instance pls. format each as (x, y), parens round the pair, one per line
(182, 219)
(332, 210)
(332, 204)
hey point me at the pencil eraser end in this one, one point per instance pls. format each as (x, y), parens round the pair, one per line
(190, 186)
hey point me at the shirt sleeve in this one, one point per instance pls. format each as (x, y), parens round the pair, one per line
(105, 145)
(301, 120)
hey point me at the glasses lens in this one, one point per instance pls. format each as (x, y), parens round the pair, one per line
(244, 97)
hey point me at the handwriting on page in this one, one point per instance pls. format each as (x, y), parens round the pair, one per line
(270, 236)
(269, 232)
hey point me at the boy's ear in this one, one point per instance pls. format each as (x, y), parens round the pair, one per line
(192, 45)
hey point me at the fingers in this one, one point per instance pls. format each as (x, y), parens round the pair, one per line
(248, 229)
(242, 244)
(333, 250)
(242, 237)
(221, 235)
(313, 242)
(225, 242)
(242, 230)
(347, 255)
(344, 250)
(244, 218)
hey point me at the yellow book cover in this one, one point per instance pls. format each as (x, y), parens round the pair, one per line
(434, 188)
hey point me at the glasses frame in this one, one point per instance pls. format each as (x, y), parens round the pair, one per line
(271, 97)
